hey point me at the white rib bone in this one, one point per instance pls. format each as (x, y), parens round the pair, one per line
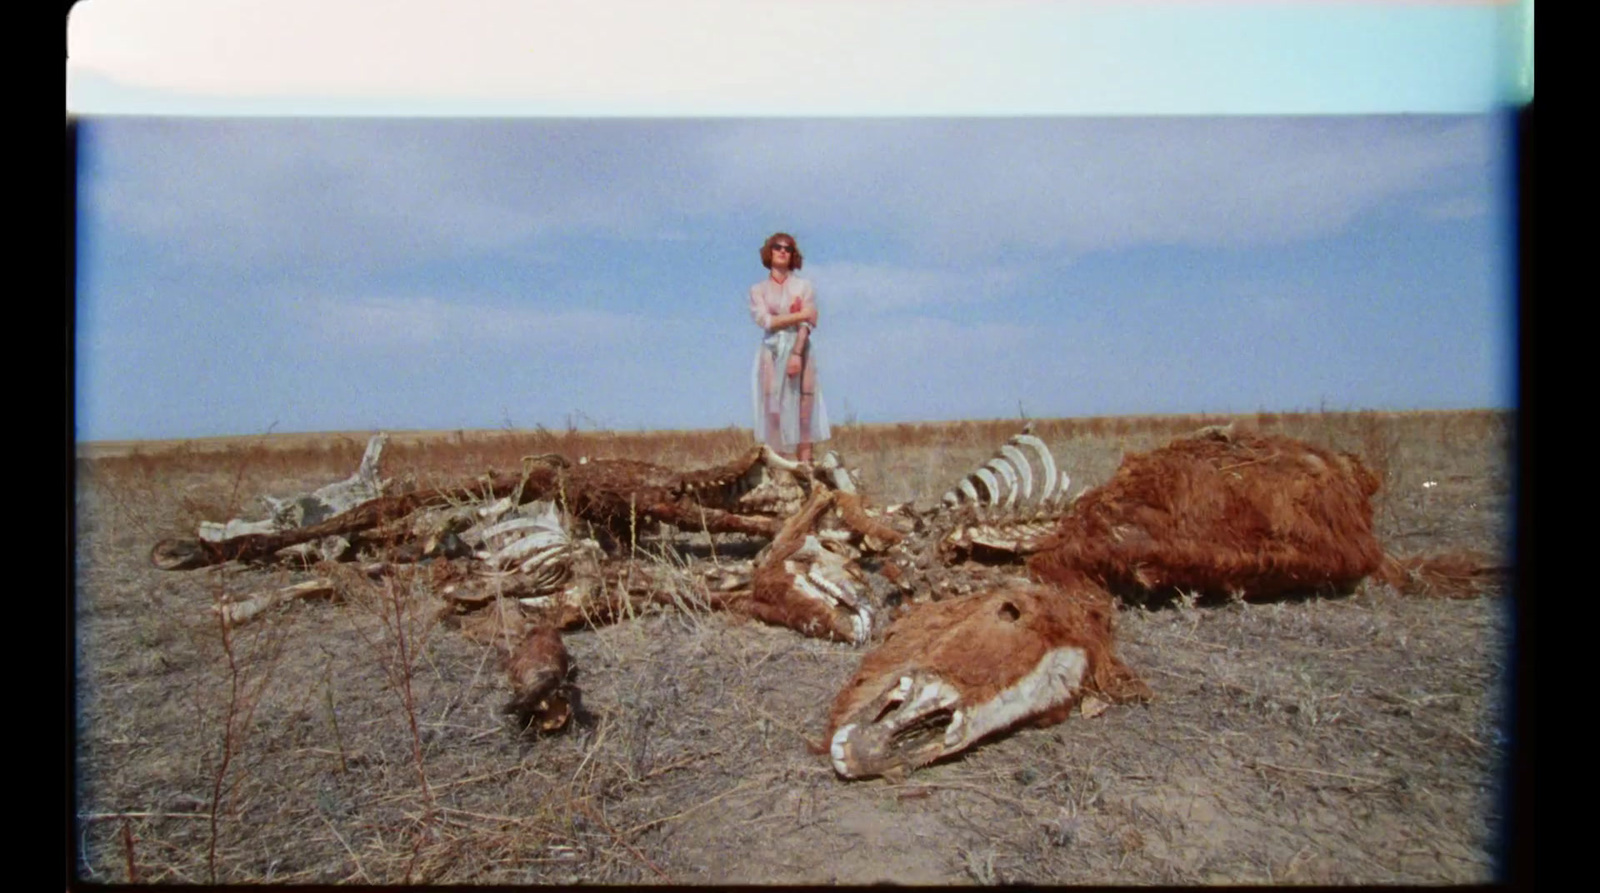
(968, 490)
(1047, 462)
(542, 558)
(508, 526)
(987, 476)
(1024, 470)
(523, 548)
(495, 509)
(1061, 494)
(1009, 475)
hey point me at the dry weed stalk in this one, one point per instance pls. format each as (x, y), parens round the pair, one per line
(244, 695)
(406, 637)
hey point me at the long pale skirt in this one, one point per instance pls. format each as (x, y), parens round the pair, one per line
(775, 392)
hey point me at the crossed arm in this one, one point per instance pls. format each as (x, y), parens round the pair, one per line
(804, 320)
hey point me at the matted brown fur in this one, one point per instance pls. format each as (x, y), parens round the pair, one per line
(855, 517)
(984, 644)
(537, 670)
(1456, 574)
(1220, 514)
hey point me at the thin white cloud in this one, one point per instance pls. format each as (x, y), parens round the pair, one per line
(407, 322)
(378, 322)
(967, 188)
(854, 289)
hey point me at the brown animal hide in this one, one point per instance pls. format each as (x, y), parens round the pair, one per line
(950, 673)
(1461, 574)
(1221, 514)
(867, 532)
(803, 585)
(538, 671)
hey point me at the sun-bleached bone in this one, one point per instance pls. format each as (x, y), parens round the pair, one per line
(1008, 474)
(1046, 461)
(213, 532)
(496, 510)
(991, 486)
(337, 498)
(951, 673)
(517, 550)
(1024, 472)
(237, 612)
(1002, 510)
(1061, 499)
(1011, 465)
(967, 490)
(509, 526)
(837, 474)
(307, 509)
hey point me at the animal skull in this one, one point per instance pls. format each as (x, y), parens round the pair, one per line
(950, 673)
(815, 590)
(538, 671)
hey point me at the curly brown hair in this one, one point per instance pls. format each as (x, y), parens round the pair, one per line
(796, 259)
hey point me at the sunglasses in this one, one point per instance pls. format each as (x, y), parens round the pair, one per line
(788, 248)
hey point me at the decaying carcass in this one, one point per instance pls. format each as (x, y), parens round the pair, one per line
(617, 497)
(1219, 513)
(950, 673)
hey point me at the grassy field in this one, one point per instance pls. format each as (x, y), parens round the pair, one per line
(1330, 740)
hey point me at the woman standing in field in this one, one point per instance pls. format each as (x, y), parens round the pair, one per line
(789, 413)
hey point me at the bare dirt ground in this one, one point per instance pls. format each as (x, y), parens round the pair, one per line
(1327, 740)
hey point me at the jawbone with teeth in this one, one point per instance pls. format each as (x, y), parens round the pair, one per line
(802, 584)
(951, 673)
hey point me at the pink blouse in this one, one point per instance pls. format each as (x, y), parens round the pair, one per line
(768, 298)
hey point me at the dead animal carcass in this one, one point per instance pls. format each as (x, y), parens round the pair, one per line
(950, 673)
(1252, 515)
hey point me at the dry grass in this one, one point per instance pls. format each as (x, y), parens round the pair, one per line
(1338, 740)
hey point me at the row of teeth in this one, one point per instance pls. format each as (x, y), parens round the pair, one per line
(933, 696)
(826, 591)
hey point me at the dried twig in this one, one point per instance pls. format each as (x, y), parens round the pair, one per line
(619, 839)
(360, 869)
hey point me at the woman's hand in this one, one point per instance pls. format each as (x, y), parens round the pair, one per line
(794, 364)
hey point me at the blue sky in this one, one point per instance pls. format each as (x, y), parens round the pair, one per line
(346, 272)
